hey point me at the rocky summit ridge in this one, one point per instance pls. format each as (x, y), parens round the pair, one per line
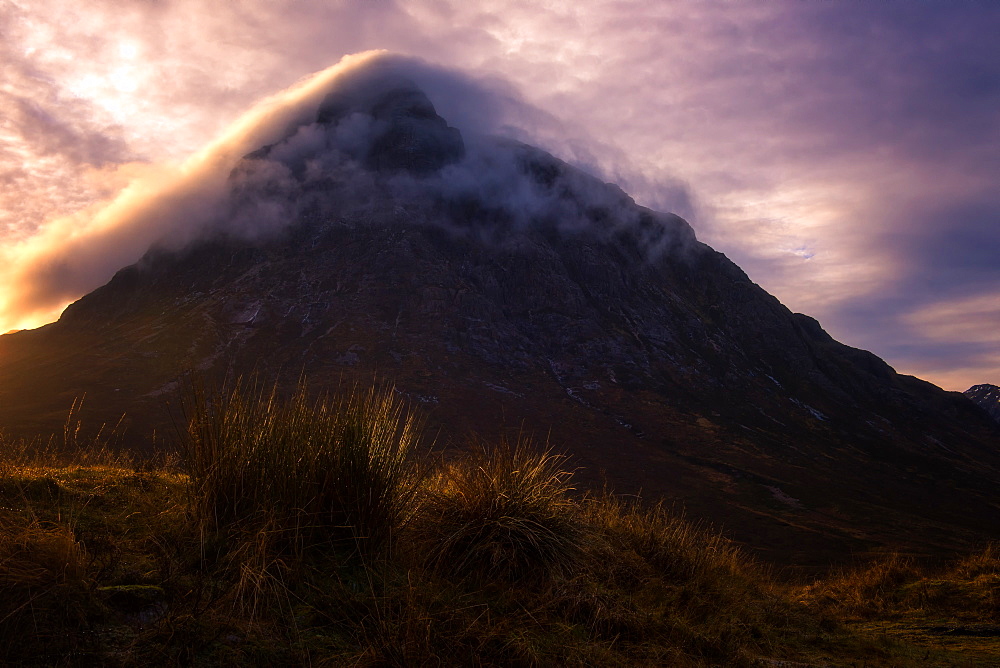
(501, 289)
(987, 397)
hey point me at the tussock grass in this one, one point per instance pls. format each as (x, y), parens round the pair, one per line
(305, 471)
(304, 531)
(663, 539)
(70, 449)
(43, 587)
(867, 591)
(983, 564)
(700, 593)
(65, 509)
(37, 555)
(896, 587)
(502, 513)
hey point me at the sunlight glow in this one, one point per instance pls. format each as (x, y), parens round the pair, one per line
(124, 79)
(163, 202)
(128, 50)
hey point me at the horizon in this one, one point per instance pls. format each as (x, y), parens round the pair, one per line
(842, 155)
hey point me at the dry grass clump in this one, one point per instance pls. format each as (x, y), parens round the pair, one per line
(968, 590)
(62, 543)
(306, 471)
(491, 560)
(896, 587)
(983, 564)
(675, 548)
(973, 586)
(35, 557)
(503, 513)
(43, 585)
(659, 578)
(865, 592)
(80, 523)
(71, 448)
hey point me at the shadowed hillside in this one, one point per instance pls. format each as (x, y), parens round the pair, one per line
(503, 290)
(321, 531)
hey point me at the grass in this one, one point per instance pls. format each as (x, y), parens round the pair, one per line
(313, 531)
(896, 587)
(69, 536)
(304, 472)
(502, 514)
(952, 611)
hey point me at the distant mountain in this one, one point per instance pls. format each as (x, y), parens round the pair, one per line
(986, 396)
(501, 289)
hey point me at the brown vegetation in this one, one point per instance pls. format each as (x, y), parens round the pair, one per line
(297, 531)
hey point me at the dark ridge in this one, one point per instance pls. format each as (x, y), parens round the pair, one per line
(987, 397)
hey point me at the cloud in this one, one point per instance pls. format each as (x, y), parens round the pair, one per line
(326, 128)
(954, 246)
(166, 204)
(809, 141)
(49, 135)
(962, 338)
(974, 319)
(937, 314)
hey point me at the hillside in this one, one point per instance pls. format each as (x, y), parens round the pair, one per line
(239, 554)
(502, 290)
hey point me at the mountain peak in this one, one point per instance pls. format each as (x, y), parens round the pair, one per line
(376, 93)
(380, 119)
(491, 281)
(987, 397)
(376, 144)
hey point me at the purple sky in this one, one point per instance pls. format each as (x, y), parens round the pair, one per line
(846, 154)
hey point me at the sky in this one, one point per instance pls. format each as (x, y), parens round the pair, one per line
(845, 154)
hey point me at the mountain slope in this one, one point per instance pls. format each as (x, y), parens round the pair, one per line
(986, 397)
(501, 289)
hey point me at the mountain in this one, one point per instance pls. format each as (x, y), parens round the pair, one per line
(987, 397)
(502, 290)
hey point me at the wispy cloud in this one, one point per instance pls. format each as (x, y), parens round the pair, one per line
(171, 204)
(165, 204)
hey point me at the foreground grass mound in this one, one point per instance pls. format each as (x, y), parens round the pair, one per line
(502, 514)
(898, 587)
(299, 531)
(76, 544)
(955, 606)
(304, 471)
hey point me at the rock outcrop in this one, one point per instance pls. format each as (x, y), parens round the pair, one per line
(987, 397)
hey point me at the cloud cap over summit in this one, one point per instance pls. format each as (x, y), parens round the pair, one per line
(171, 205)
(843, 153)
(385, 122)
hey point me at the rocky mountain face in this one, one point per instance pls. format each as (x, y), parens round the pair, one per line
(501, 290)
(987, 397)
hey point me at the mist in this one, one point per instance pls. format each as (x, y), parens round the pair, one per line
(163, 205)
(313, 143)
